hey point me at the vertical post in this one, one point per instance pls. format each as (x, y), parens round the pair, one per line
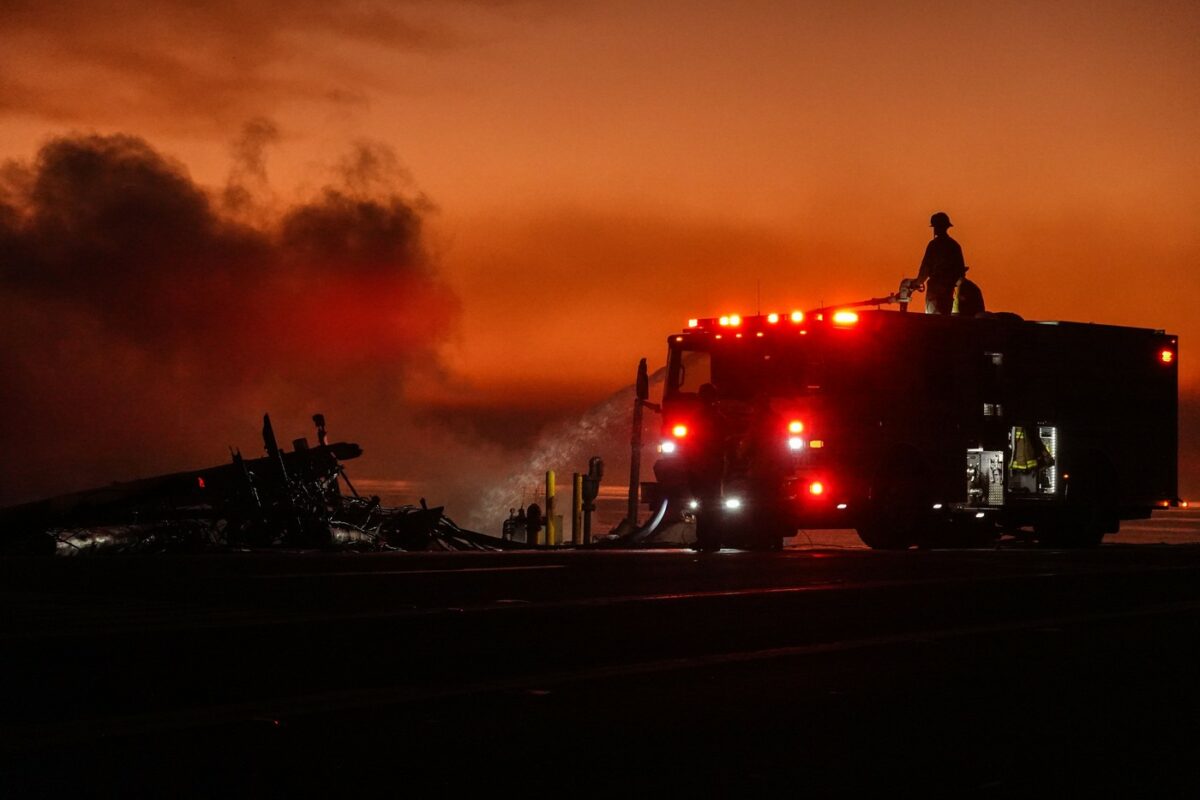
(576, 508)
(551, 523)
(635, 445)
(591, 488)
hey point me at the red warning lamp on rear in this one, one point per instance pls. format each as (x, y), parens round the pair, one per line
(845, 317)
(816, 488)
(773, 318)
(1166, 356)
(797, 316)
(795, 426)
(679, 431)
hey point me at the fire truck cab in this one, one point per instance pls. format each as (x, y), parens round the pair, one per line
(915, 429)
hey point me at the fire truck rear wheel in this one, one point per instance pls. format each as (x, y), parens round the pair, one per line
(1089, 512)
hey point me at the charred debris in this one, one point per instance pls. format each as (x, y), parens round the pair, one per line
(286, 499)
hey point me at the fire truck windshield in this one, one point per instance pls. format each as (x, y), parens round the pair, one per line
(742, 371)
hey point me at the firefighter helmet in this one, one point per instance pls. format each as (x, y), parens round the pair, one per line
(940, 220)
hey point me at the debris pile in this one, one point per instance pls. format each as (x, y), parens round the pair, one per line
(285, 499)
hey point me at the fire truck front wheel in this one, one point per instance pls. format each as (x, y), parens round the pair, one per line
(769, 529)
(897, 513)
(708, 532)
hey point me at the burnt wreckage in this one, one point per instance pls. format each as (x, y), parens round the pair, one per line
(284, 499)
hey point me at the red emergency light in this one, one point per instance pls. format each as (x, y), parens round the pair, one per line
(816, 488)
(679, 431)
(773, 321)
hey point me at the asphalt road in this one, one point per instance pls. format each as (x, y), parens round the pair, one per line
(824, 668)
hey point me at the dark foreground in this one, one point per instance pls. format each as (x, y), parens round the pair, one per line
(587, 673)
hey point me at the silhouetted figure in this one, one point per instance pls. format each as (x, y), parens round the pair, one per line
(533, 523)
(968, 299)
(942, 267)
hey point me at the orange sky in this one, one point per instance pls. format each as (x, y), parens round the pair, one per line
(604, 170)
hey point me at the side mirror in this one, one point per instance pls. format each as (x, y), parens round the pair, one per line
(643, 382)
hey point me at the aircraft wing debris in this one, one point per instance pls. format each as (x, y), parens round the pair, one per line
(287, 499)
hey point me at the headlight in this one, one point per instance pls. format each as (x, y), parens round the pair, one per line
(667, 448)
(795, 443)
(733, 503)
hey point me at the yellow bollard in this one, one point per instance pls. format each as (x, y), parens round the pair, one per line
(551, 522)
(576, 509)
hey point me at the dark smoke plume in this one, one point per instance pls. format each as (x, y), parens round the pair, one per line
(247, 182)
(147, 319)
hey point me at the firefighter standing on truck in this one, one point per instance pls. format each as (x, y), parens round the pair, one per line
(942, 267)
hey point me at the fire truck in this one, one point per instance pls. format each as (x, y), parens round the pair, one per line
(915, 429)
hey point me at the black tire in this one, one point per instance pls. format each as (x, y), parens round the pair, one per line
(898, 510)
(1089, 510)
(768, 532)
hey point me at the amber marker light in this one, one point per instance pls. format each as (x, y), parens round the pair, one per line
(1166, 356)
